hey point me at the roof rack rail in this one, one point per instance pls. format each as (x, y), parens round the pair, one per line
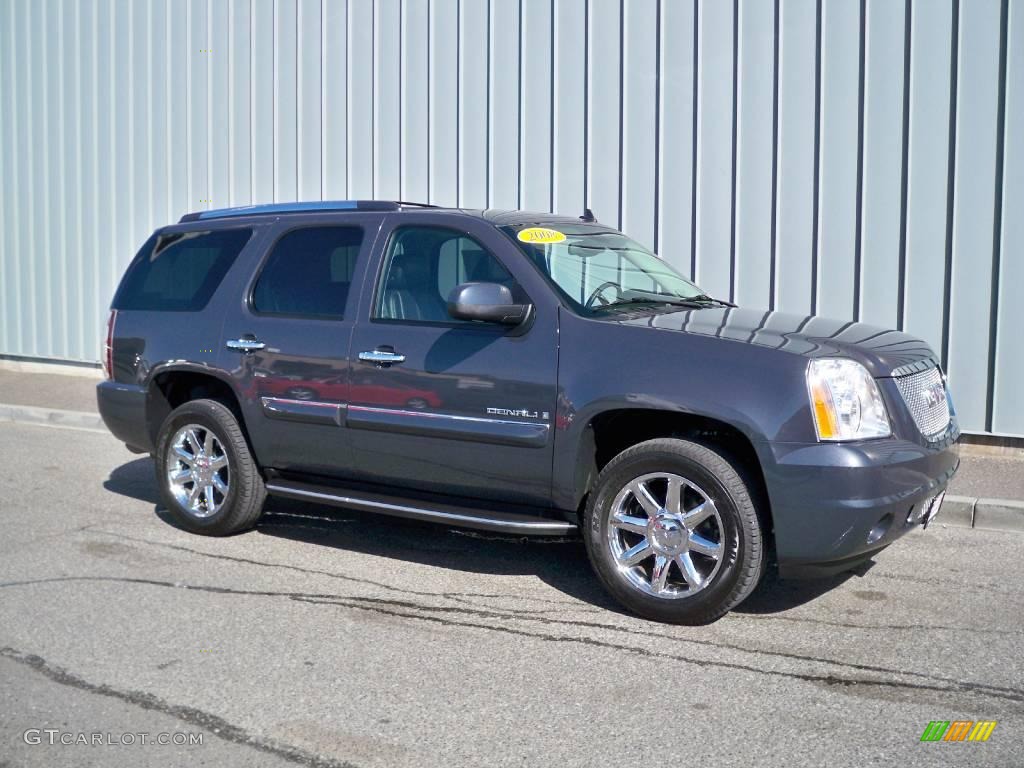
(300, 207)
(416, 205)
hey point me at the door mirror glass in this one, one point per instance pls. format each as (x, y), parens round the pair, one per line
(487, 302)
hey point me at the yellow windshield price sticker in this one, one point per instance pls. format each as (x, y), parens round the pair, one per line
(541, 235)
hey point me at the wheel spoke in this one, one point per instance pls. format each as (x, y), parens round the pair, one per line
(184, 455)
(690, 572)
(632, 524)
(220, 485)
(643, 495)
(659, 573)
(193, 496)
(181, 477)
(193, 442)
(636, 554)
(673, 496)
(699, 514)
(219, 462)
(705, 546)
(208, 494)
(208, 441)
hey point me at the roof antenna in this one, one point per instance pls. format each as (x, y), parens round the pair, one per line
(588, 216)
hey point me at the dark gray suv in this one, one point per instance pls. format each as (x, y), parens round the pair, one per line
(519, 372)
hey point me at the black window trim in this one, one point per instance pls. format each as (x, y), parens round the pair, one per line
(385, 257)
(269, 251)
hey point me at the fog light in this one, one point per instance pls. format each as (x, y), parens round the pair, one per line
(880, 529)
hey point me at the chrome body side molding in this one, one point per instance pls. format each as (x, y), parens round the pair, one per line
(476, 428)
(305, 411)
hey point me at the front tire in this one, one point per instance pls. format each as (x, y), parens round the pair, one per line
(673, 533)
(206, 473)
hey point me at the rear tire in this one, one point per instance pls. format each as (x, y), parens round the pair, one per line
(208, 478)
(682, 556)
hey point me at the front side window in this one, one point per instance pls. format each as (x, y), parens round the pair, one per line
(423, 265)
(595, 267)
(179, 271)
(309, 273)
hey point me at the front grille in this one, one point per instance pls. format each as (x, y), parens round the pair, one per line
(925, 396)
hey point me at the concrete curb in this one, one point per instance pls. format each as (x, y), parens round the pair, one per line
(999, 514)
(957, 511)
(82, 370)
(986, 514)
(52, 417)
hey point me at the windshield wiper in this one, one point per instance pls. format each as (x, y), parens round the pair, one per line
(675, 301)
(705, 299)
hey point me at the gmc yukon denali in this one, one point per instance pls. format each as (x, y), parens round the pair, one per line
(525, 373)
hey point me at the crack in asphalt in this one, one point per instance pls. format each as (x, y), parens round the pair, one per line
(990, 587)
(459, 597)
(456, 596)
(411, 610)
(897, 627)
(213, 724)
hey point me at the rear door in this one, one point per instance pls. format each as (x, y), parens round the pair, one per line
(463, 408)
(287, 342)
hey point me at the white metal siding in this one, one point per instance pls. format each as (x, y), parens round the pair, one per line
(857, 158)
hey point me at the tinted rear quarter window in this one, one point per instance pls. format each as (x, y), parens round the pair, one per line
(309, 273)
(179, 271)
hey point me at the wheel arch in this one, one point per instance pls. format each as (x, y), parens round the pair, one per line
(170, 386)
(608, 433)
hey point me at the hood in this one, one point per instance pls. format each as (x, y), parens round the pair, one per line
(880, 350)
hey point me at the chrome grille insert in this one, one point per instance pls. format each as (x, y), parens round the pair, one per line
(925, 396)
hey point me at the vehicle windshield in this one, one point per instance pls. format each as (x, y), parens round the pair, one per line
(596, 268)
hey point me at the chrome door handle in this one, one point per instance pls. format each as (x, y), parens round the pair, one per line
(244, 345)
(381, 357)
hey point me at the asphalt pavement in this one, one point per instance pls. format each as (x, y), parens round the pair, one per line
(329, 637)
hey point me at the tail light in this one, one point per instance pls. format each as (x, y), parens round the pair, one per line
(108, 346)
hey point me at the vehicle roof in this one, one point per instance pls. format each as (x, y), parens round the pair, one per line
(497, 217)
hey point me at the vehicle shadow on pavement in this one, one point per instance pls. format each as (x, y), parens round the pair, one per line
(561, 563)
(775, 595)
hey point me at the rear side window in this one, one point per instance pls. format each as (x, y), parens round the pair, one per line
(309, 273)
(179, 271)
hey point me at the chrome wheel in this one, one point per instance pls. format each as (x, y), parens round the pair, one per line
(666, 536)
(198, 473)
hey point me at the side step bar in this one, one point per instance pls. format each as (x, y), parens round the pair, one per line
(503, 522)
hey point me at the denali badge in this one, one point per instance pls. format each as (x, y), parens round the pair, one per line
(521, 412)
(934, 394)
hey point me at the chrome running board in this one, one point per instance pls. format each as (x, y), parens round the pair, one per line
(463, 517)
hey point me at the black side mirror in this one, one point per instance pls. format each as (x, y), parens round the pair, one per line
(490, 302)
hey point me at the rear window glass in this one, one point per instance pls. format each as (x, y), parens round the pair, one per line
(309, 273)
(179, 271)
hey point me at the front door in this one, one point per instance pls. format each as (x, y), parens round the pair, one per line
(288, 343)
(435, 404)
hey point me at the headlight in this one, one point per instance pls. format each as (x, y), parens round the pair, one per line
(845, 401)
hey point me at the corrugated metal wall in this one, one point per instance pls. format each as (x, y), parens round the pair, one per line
(856, 158)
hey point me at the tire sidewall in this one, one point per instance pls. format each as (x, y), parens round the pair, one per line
(206, 417)
(735, 538)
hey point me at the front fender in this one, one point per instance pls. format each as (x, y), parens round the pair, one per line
(757, 391)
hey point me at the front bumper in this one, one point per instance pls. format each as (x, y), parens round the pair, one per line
(123, 409)
(835, 505)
